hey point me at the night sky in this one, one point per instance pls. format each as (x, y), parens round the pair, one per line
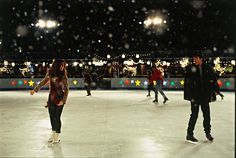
(116, 26)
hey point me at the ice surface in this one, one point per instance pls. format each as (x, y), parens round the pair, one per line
(114, 124)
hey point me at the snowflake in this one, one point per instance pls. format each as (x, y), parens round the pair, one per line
(126, 46)
(111, 9)
(110, 35)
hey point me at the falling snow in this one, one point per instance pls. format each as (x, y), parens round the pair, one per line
(103, 26)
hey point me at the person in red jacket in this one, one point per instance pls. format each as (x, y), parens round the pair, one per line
(158, 77)
(56, 76)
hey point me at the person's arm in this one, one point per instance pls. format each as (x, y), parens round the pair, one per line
(65, 88)
(188, 84)
(213, 80)
(41, 84)
(90, 77)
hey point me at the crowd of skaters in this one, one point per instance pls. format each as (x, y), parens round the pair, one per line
(200, 88)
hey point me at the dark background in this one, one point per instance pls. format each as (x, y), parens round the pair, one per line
(113, 27)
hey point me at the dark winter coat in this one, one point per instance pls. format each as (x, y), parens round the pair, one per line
(87, 78)
(200, 89)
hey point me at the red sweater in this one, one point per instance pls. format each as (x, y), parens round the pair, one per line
(157, 75)
(58, 88)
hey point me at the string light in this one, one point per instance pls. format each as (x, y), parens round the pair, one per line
(233, 62)
(218, 67)
(49, 24)
(184, 62)
(75, 63)
(123, 56)
(5, 63)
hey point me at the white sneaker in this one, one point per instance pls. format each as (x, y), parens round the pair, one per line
(52, 136)
(56, 138)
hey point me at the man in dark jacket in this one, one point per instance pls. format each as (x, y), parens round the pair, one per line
(88, 80)
(199, 89)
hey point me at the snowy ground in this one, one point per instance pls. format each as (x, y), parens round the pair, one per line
(113, 124)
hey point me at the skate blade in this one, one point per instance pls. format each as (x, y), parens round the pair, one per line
(188, 141)
(208, 141)
(56, 142)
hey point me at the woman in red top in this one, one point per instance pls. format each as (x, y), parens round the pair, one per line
(58, 92)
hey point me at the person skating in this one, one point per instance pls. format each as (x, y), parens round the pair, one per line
(199, 89)
(217, 90)
(150, 83)
(56, 76)
(158, 78)
(88, 81)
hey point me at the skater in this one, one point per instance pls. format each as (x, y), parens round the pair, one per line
(158, 78)
(87, 80)
(58, 91)
(217, 90)
(150, 83)
(199, 89)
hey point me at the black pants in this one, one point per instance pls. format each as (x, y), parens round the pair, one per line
(158, 87)
(194, 115)
(150, 87)
(88, 88)
(55, 116)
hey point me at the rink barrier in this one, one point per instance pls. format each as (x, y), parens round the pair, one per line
(30, 83)
(227, 84)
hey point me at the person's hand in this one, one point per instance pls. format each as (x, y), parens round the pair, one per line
(32, 92)
(60, 103)
(193, 102)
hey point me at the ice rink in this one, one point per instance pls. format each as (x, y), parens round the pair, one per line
(113, 124)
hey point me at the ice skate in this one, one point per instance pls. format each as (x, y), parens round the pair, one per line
(56, 138)
(191, 139)
(52, 136)
(155, 101)
(209, 137)
(165, 100)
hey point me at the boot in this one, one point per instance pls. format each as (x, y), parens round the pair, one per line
(155, 101)
(222, 96)
(52, 136)
(191, 139)
(209, 137)
(56, 138)
(166, 99)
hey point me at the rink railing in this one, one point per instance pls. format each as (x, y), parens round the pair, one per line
(227, 84)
